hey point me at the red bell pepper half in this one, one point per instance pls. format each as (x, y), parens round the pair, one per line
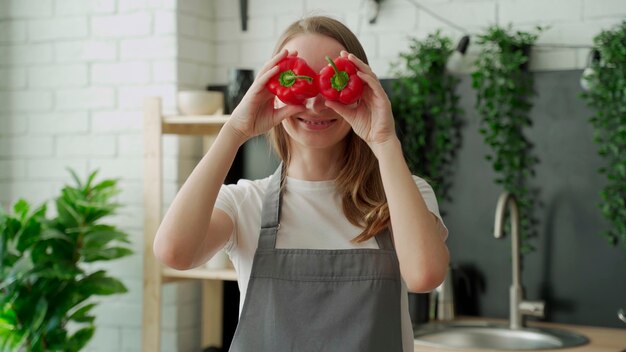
(338, 81)
(294, 82)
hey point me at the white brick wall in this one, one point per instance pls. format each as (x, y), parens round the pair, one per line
(12, 31)
(73, 74)
(11, 126)
(57, 28)
(25, 100)
(571, 22)
(57, 76)
(196, 48)
(25, 54)
(12, 78)
(84, 7)
(163, 47)
(471, 15)
(55, 123)
(92, 97)
(26, 9)
(538, 11)
(603, 8)
(121, 26)
(120, 73)
(91, 50)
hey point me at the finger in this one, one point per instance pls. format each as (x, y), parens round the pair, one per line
(260, 82)
(344, 53)
(286, 111)
(346, 112)
(272, 62)
(362, 66)
(373, 83)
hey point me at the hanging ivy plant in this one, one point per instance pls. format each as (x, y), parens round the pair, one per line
(426, 106)
(503, 87)
(607, 96)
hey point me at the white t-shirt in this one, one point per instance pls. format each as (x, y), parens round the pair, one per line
(311, 217)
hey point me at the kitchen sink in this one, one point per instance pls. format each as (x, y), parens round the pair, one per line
(484, 335)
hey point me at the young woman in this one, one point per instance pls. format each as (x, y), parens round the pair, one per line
(326, 248)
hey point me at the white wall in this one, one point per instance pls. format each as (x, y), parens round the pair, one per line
(573, 22)
(73, 74)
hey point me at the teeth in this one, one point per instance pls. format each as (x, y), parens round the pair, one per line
(317, 123)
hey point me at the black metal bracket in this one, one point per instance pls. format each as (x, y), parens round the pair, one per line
(243, 13)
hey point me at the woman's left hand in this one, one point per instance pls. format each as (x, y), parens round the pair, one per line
(371, 118)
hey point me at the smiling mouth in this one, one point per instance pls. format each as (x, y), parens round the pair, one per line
(317, 123)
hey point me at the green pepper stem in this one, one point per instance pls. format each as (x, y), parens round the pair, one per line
(340, 79)
(288, 78)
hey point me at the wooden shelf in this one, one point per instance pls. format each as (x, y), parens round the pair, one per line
(156, 124)
(193, 125)
(199, 273)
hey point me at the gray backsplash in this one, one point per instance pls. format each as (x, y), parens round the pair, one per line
(579, 275)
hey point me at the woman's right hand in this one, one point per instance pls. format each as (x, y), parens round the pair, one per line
(256, 113)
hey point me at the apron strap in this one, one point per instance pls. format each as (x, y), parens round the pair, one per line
(384, 240)
(270, 215)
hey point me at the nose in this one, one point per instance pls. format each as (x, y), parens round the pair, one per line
(316, 104)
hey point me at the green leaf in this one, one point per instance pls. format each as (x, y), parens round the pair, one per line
(104, 185)
(426, 106)
(75, 177)
(91, 255)
(607, 99)
(90, 179)
(99, 284)
(20, 269)
(40, 313)
(102, 235)
(503, 89)
(12, 341)
(20, 208)
(8, 319)
(68, 216)
(61, 270)
(29, 234)
(81, 314)
(42, 278)
(54, 250)
(77, 341)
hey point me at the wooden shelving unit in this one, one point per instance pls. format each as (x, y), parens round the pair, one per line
(199, 273)
(155, 274)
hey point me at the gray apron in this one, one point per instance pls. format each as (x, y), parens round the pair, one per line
(319, 300)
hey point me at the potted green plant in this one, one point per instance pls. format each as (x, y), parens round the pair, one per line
(606, 79)
(45, 283)
(503, 86)
(426, 106)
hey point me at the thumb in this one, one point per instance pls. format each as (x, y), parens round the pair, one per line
(347, 112)
(288, 110)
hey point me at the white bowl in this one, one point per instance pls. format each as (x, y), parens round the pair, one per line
(200, 102)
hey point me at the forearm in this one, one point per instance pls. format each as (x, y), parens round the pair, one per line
(183, 230)
(419, 244)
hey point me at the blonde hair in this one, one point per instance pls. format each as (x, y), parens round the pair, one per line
(358, 183)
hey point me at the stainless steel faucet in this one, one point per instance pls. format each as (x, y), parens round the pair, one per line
(518, 307)
(441, 300)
